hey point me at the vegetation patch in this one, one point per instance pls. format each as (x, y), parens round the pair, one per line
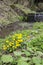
(22, 47)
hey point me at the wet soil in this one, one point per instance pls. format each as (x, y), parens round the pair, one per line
(13, 27)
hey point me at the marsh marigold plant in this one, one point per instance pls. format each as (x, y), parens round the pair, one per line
(13, 42)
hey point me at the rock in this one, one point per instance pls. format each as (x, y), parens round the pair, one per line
(31, 15)
(40, 5)
(39, 17)
(9, 2)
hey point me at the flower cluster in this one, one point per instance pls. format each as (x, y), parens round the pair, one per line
(13, 42)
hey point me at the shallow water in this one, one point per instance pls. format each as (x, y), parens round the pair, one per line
(35, 17)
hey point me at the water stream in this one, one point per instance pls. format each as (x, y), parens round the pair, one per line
(38, 17)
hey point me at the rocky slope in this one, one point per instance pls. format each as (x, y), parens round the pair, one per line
(9, 12)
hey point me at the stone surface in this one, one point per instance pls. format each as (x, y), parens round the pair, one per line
(40, 5)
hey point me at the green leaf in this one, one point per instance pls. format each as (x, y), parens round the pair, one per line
(39, 53)
(27, 53)
(37, 64)
(30, 49)
(0, 62)
(24, 58)
(42, 46)
(22, 63)
(36, 60)
(17, 53)
(6, 58)
(42, 61)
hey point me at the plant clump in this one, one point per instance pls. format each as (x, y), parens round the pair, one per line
(13, 42)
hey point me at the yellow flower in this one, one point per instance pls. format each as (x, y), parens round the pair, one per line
(20, 40)
(17, 45)
(7, 46)
(17, 42)
(4, 47)
(10, 44)
(14, 47)
(19, 36)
